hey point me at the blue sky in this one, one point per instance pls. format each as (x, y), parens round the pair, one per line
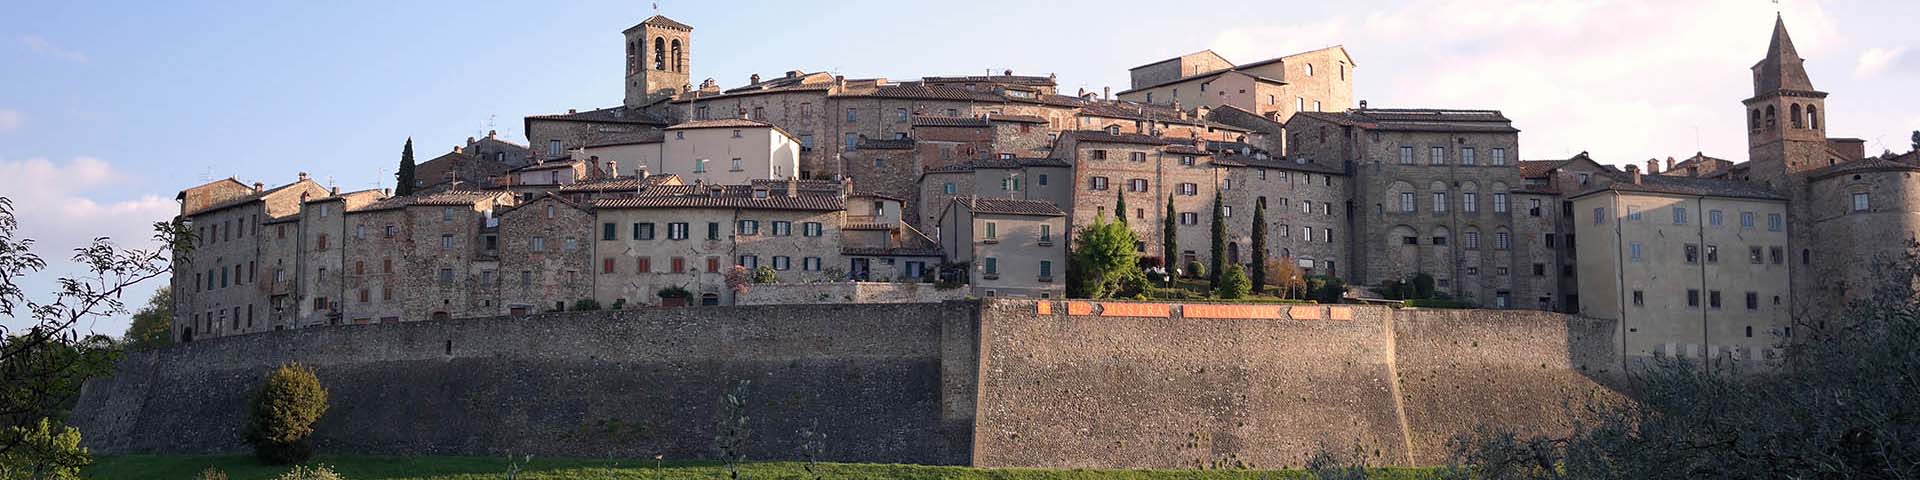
(107, 109)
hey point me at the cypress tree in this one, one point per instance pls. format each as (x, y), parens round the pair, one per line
(404, 176)
(1169, 243)
(1259, 246)
(1219, 242)
(1120, 207)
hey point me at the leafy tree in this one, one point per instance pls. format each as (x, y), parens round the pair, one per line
(44, 452)
(1326, 288)
(1120, 206)
(284, 411)
(44, 362)
(586, 304)
(1169, 238)
(1219, 249)
(1422, 285)
(1196, 270)
(1259, 246)
(1841, 403)
(731, 434)
(1287, 276)
(765, 274)
(1916, 140)
(152, 324)
(1233, 282)
(739, 279)
(404, 176)
(1103, 256)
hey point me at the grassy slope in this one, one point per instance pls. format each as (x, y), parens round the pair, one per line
(473, 468)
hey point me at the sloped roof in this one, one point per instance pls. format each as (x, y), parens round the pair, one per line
(617, 114)
(1008, 206)
(1000, 163)
(721, 123)
(662, 21)
(1691, 186)
(1782, 68)
(1419, 120)
(804, 202)
(250, 198)
(1909, 162)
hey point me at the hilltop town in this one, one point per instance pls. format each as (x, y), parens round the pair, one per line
(875, 189)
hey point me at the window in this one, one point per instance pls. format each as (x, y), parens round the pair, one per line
(737, 166)
(852, 143)
(446, 276)
(1754, 256)
(810, 229)
(1775, 223)
(677, 264)
(1502, 240)
(642, 231)
(1189, 218)
(747, 228)
(1437, 156)
(607, 231)
(1633, 213)
(606, 265)
(1466, 156)
(359, 231)
(700, 166)
(1713, 218)
(948, 188)
(1679, 215)
(1406, 202)
(1693, 297)
(446, 241)
(1777, 254)
(446, 214)
(1102, 154)
(853, 115)
(1693, 253)
(1713, 299)
(386, 265)
(1753, 303)
(1042, 179)
(1439, 202)
(537, 244)
(321, 242)
(1046, 233)
(1633, 251)
(1472, 241)
(1599, 215)
(1713, 254)
(1860, 203)
(1469, 202)
(992, 266)
(1499, 203)
(1299, 104)
(1137, 156)
(749, 261)
(1097, 183)
(1046, 269)
(1499, 157)
(811, 264)
(782, 228)
(526, 278)
(713, 264)
(1533, 207)
(993, 231)
(676, 231)
(1137, 185)
(1639, 298)
(1406, 155)
(782, 263)
(1746, 220)
(806, 141)
(1306, 206)
(1439, 240)
(899, 114)
(1189, 189)
(1539, 269)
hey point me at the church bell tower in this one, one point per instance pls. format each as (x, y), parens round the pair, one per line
(657, 59)
(1786, 118)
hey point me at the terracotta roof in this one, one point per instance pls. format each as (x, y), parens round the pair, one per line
(1539, 168)
(453, 197)
(892, 251)
(932, 121)
(885, 144)
(1017, 118)
(1870, 164)
(1147, 112)
(1277, 163)
(1001, 163)
(548, 165)
(1186, 149)
(1007, 206)
(804, 202)
(866, 226)
(250, 198)
(618, 184)
(660, 20)
(1212, 74)
(620, 114)
(925, 92)
(1690, 186)
(1101, 136)
(547, 196)
(1005, 79)
(390, 203)
(650, 135)
(721, 123)
(1419, 120)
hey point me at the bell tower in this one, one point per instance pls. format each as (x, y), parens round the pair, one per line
(1786, 118)
(657, 59)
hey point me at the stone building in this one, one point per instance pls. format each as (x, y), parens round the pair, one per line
(728, 151)
(1306, 208)
(1433, 192)
(1147, 171)
(459, 170)
(689, 238)
(1313, 81)
(541, 241)
(327, 272)
(1013, 248)
(1040, 179)
(217, 286)
(1690, 267)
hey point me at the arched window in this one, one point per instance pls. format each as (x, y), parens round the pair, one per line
(1770, 117)
(678, 64)
(633, 57)
(1813, 117)
(1756, 120)
(659, 53)
(1795, 116)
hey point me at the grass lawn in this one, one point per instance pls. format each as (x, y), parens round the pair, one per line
(473, 468)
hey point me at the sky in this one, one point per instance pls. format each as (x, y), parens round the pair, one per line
(107, 109)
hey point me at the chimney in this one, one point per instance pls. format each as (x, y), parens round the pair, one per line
(613, 168)
(641, 172)
(469, 140)
(335, 191)
(386, 192)
(1008, 73)
(753, 79)
(840, 82)
(593, 167)
(259, 187)
(1106, 93)
(491, 134)
(793, 186)
(1653, 166)
(571, 111)
(1363, 104)
(1633, 172)
(1083, 92)
(793, 73)
(303, 176)
(1670, 163)
(742, 112)
(457, 149)
(846, 186)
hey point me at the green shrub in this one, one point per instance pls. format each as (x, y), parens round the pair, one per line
(211, 474)
(48, 451)
(675, 292)
(1233, 282)
(1326, 289)
(1196, 270)
(586, 304)
(284, 411)
(316, 472)
(765, 274)
(1422, 285)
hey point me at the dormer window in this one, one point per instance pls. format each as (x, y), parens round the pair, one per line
(736, 134)
(1113, 129)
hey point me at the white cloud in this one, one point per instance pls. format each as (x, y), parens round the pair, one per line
(56, 206)
(10, 120)
(1572, 78)
(44, 47)
(1873, 61)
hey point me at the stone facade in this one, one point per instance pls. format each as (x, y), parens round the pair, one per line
(1013, 248)
(546, 250)
(218, 290)
(645, 245)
